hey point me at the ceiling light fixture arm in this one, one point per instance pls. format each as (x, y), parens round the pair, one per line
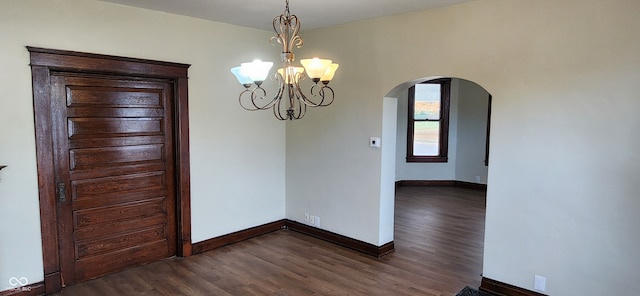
(255, 96)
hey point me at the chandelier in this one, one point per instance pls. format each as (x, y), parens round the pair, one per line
(289, 102)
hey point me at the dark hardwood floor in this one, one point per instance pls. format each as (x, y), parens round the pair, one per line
(438, 239)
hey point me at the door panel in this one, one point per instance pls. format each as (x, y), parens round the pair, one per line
(113, 147)
(95, 266)
(90, 158)
(93, 126)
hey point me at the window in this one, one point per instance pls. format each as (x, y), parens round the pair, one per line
(428, 127)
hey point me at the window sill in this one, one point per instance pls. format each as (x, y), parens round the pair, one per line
(427, 159)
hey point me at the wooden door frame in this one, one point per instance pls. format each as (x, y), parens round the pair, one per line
(43, 63)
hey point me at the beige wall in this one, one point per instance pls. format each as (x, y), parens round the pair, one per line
(565, 78)
(472, 133)
(237, 169)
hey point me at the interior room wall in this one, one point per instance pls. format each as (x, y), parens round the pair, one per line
(473, 102)
(237, 157)
(427, 171)
(467, 137)
(387, 169)
(562, 196)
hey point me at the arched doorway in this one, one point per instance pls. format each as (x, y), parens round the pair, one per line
(444, 205)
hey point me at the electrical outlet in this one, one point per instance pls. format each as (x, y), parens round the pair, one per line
(477, 179)
(311, 219)
(374, 142)
(540, 283)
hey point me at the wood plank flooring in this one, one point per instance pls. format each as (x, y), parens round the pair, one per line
(438, 238)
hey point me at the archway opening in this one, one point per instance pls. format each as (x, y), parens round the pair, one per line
(439, 206)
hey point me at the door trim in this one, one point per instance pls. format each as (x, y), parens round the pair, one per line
(43, 62)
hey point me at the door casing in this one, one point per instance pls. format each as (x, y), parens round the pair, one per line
(43, 63)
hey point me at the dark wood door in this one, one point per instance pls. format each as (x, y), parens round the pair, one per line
(114, 172)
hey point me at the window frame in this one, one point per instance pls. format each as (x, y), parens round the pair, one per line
(443, 147)
(486, 149)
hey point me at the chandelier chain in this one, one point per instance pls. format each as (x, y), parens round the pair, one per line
(286, 10)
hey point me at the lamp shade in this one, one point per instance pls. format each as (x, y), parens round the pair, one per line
(290, 74)
(256, 70)
(328, 74)
(315, 67)
(242, 78)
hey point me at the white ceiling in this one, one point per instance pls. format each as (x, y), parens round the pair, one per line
(259, 14)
